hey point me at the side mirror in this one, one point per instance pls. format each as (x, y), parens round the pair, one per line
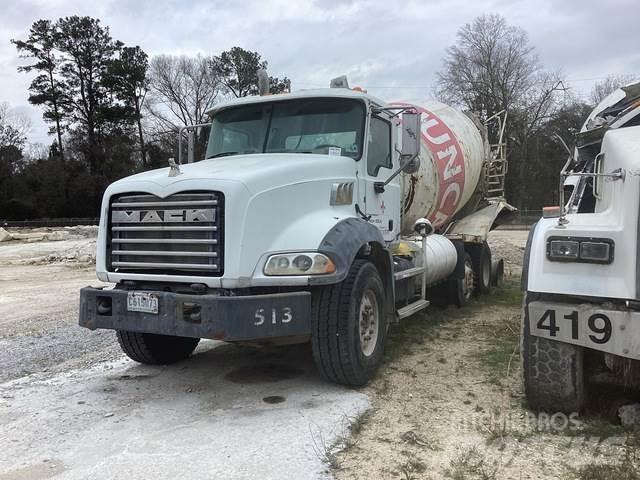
(410, 141)
(423, 227)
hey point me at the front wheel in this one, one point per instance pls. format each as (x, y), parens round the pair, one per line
(154, 349)
(349, 326)
(553, 371)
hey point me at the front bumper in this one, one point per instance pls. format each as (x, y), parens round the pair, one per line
(608, 328)
(228, 318)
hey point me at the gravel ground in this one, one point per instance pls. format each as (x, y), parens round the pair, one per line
(447, 404)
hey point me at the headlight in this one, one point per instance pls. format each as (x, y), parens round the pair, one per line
(306, 263)
(580, 249)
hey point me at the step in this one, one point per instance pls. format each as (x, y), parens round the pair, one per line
(409, 272)
(412, 308)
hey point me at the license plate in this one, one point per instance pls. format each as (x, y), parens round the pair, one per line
(607, 330)
(142, 302)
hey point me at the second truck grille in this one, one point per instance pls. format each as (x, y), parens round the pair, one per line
(180, 234)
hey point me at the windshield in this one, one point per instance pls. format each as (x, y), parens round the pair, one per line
(313, 125)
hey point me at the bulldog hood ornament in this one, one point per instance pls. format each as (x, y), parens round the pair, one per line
(174, 168)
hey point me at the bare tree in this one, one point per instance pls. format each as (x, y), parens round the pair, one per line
(182, 89)
(492, 67)
(14, 127)
(607, 86)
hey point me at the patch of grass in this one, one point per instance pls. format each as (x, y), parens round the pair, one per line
(412, 438)
(471, 465)
(416, 330)
(627, 469)
(330, 454)
(502, 353)
(507, 295)
(412, 467)
(608, 472)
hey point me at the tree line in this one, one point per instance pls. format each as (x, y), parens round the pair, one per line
(493, 68)
(114, 111)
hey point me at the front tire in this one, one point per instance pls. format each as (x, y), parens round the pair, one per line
(154, 349)
(349, 326)
(554, 373)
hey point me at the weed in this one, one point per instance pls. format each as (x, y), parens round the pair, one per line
(410, 467)
(412, 438)
(627, 469)
(471, 465)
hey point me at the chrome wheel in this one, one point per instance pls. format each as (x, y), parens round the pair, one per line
(369, 322)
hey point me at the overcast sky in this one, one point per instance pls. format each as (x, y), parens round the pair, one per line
(392, 48)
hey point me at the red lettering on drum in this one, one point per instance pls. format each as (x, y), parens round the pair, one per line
(448, 159)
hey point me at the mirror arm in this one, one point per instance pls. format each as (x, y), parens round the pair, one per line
(379, 186)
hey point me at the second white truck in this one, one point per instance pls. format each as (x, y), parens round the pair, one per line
(582, 264)
(321, 216)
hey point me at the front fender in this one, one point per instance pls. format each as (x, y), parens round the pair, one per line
(343, 242)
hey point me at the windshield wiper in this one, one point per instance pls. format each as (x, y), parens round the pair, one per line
(223, 154)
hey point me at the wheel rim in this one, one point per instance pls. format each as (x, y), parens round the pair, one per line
(369, 322)
(467, 284)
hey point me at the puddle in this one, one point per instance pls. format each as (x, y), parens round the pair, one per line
(265, 373)
(129, 377)
(274, 399)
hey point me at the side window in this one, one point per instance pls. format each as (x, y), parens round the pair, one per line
(379, 152)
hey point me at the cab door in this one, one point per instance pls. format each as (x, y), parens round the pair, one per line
(383, 207)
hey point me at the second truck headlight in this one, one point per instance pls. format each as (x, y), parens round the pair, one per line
(580, 249)
(305, 263)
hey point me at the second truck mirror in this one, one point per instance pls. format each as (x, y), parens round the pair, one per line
(410, 135)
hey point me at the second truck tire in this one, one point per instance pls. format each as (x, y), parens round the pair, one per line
(349, 326)
(554, 372)
(154, 349)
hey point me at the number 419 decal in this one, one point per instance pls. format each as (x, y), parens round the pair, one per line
(598, 323)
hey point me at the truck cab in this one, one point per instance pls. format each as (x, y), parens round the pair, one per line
(581, 273)
(288, 230)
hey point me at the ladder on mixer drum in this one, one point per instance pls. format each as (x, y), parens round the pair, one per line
(496, 172)
(495, 168)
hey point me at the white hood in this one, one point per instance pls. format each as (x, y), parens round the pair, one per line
(272, 203)
(257, 172)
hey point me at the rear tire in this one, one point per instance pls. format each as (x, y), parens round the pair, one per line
(154, 349)
(554, 373)
(349, 326)
(481, 259)
(463, 289)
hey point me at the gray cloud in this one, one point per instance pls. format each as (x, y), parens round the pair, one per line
(391, 48)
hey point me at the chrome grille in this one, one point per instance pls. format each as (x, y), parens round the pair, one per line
(180, 234)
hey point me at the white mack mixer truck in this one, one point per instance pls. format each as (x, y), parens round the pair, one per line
(581, 272)
(321, 216)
